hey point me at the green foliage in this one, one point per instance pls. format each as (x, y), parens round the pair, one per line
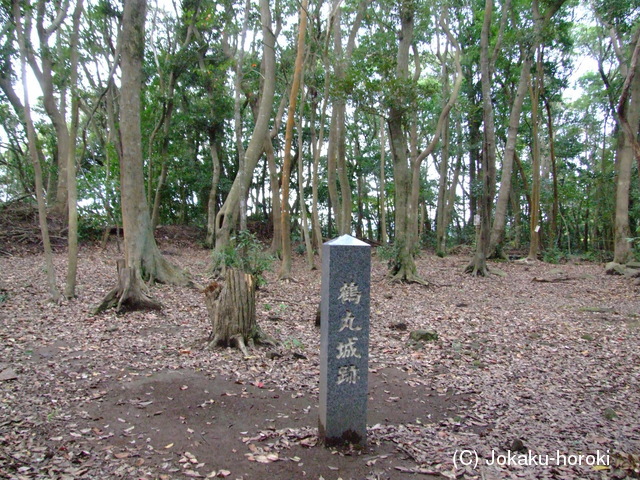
(292, 343)
(392, 254)
(553, 255)
(91, 227)
(245, 253)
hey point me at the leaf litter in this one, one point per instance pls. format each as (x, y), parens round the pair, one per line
(551, 367)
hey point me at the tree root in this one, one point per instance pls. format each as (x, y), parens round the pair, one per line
(403, 276)
(245, 345)
(130, 294)
(476, 271)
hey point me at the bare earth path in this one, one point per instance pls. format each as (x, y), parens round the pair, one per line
(549, 367)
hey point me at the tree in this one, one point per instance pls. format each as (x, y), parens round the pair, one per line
(227, 217)
(143, 259)
(285, 270)
(540, 23)
(72, 183)
(33, 151)
(478, 265)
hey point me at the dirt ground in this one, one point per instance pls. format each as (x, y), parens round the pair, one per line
(537, 360)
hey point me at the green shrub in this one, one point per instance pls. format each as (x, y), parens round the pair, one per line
(246, 253)
(553, 255)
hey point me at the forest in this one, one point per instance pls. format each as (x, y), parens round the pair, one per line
(417, 124)
(170, 172)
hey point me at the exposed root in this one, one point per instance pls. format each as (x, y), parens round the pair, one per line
(403, 276)
(130, 294)
(477, 271)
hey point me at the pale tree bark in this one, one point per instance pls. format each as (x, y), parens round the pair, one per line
(403, 268)
(276, 204)
(500, 217)
(142, 256)
(450, 196)
(215, 131)
(237, 113)
(72, 184)
(441, 226)
(54, 294)
(44, 72)
(628, 111)
(285, 268)
(555, 206)
(336, 155)
(317, 140)
(304, 217)
(384, 237)
(215, 179)
(406, 171)
(442, 123)
(534, 214)
(478, 264)
(227, 217)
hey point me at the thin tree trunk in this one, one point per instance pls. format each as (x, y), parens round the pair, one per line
(534, 218)
(478, 265)
(228, 215)
(304, 221)
(285, 269)
(45, 77)
(213, 192)
(450, 199)
(500, 217)
(54, 294)
(554, 171)
(276, 203)
(384, 238)
(237, 117)
(72, 184)
(441, 226)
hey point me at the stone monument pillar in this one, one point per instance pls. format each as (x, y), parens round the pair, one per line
(344, 341)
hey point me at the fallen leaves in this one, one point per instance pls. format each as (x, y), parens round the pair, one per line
(546, 356)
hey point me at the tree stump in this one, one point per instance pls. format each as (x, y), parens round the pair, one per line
(232, 312)
(129, 294)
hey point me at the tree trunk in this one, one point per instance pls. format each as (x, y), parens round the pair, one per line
(540, 21)
(232, 312)
(227, 217)
(130, 294)
(555, 207)
(33, 151)
(478, 265)
(500, 217)
(304, 217)
(628, 117)
(276, 204)
(237, 113)
(384, 238)
(450, 198)
(213, 192)
(72, 183)
(45, 76)
(142, 256)
(403, 268)
(441, 226)
(285, 269)
(534, 219)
